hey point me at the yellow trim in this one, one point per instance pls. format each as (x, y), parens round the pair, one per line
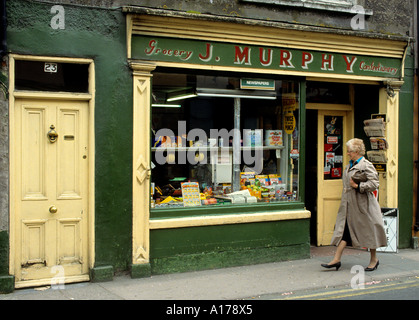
(141, 163)
(351, 292)
(330, 190)
(251, 33)
(12, 168)
(47, 282)
(90, 98)
(129, 35)
(328, 106)
(388, 192)
(52, 95)
(141, 189)
(228, 219)
(199, 29)
(351, 81)
(51, 59)
(314, 76)
(92, 138)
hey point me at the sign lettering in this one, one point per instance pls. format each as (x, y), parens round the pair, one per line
(261, 57)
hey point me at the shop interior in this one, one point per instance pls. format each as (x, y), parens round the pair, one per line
(223, 139)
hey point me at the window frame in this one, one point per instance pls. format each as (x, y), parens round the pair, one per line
(184, 212)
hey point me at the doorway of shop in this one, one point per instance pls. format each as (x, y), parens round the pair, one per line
(311, 172)
(50, 217)
(327, 133)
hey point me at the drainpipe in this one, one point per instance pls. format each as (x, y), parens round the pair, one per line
(416, 51)
(3, 29)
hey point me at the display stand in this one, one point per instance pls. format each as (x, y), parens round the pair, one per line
(391, 227)
(375, 129)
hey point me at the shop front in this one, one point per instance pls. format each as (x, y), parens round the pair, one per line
(239, 134)
(166, 141)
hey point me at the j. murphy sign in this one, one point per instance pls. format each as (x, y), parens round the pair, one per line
(250, 56)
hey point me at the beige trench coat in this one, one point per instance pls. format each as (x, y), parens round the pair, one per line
(360, 209)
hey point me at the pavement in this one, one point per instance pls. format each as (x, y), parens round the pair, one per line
(254, 282)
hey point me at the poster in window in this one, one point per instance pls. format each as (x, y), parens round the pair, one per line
(190, 194)
(336, 172)
(333, 150)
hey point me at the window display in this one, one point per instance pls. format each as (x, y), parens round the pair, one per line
(333, 147)
(223, 140)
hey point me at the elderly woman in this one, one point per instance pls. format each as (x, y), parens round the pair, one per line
(359, 221)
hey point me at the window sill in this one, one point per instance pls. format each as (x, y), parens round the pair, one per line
(309, 4)
(232, 218)
(232, 214)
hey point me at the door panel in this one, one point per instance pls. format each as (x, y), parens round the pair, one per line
(331, 156)
(51, 189)
(34, 236)
(33, 155)
(69, 241)
(329, 207)
(68, 180)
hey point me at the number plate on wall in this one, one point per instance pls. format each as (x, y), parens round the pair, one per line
(50, 67)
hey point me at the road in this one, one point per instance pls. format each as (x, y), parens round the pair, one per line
(398, 289)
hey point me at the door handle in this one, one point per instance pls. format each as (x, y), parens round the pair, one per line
(53, 209)
(52, 134)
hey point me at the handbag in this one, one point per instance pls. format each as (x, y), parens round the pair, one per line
(359, 176)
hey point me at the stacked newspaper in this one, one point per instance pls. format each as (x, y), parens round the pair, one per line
(377, 156)
(379, 143)
(374, 127)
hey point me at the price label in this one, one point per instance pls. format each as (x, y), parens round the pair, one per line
(289, 123)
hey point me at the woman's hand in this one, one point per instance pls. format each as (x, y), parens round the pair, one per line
(353, 184)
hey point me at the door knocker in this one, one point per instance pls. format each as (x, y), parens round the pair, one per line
(52, 134)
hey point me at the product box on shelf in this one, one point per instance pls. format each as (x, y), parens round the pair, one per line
(252, 138)
(273, 138)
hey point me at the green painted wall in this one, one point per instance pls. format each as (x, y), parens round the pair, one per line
(183, 249)
(406, 156)
(4, 252)
(98, 34)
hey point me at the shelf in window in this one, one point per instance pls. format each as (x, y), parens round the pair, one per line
(206, 148)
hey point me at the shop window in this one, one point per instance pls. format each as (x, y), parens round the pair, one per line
(333, 147)
(328, 92)
(222, 140)
(51, 76)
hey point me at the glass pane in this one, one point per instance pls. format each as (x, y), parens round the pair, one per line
(327, 92)
(45, 76)
(215, 143)
(333, 147)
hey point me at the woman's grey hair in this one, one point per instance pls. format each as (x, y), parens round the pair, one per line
(356, 145)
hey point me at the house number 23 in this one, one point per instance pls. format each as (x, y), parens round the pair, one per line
(50, 67)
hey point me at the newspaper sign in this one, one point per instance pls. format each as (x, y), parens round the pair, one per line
(390, 217)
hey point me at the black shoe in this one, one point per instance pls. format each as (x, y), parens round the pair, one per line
(335, 265)
(373, 268)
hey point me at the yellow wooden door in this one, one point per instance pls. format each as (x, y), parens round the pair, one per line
(333, 133)
(51, 185)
